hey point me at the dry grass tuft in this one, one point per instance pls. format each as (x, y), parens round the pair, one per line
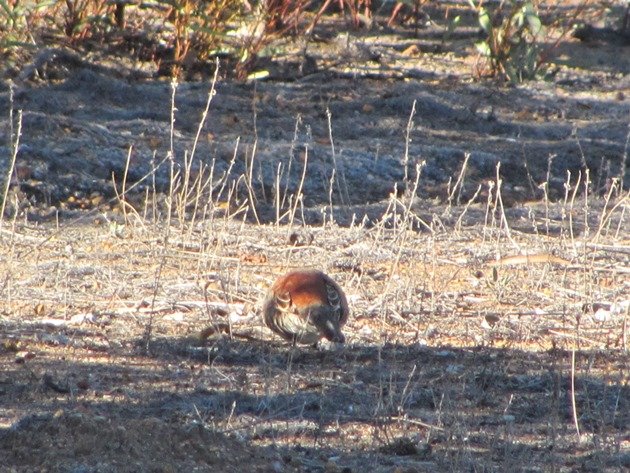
(470, 346)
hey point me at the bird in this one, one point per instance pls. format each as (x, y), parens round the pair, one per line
(306, 305)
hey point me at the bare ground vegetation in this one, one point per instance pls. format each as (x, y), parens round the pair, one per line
(480, 231)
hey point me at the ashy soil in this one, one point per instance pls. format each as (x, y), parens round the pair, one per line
(488, 330)
(451, 364)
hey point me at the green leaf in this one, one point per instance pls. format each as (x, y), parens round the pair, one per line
(10, 42)
(519, 18)
(454, 23)
(484, 20)
(532, 18)
(257, 75)
(483, 48)
(528, 9)
(535, 25)
(45, 4)
(5, 7)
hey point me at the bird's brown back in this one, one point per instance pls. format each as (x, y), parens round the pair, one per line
(300, 292)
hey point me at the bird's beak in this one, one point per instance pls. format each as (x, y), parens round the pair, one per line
(327, 324)
(333, 328)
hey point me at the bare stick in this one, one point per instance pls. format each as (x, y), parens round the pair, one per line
(458, 182)
(298, 122)
(248, 182)
(573, 403)
(16, 145)
(574, 133)
(298, 194)
(488, 207)
(148, 330)
(587, 184)
(124, 182)
(408, 140)
(226, 176)
(624, 155)
(458, 224)
(605, 214)
(277, 196)
(330, 196)
(571, 205)
(343, 191)
(499, 201)
(622, 217)
(204, 114)
(173, 109)
(563, 212)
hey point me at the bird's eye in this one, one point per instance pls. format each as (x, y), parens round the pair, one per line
(333, 296)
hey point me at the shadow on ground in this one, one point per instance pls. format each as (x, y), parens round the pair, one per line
(294, 409)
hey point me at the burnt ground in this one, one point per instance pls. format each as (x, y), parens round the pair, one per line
(452, 364)
(85, 114)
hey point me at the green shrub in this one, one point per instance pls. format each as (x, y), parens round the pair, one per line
(511, 47)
